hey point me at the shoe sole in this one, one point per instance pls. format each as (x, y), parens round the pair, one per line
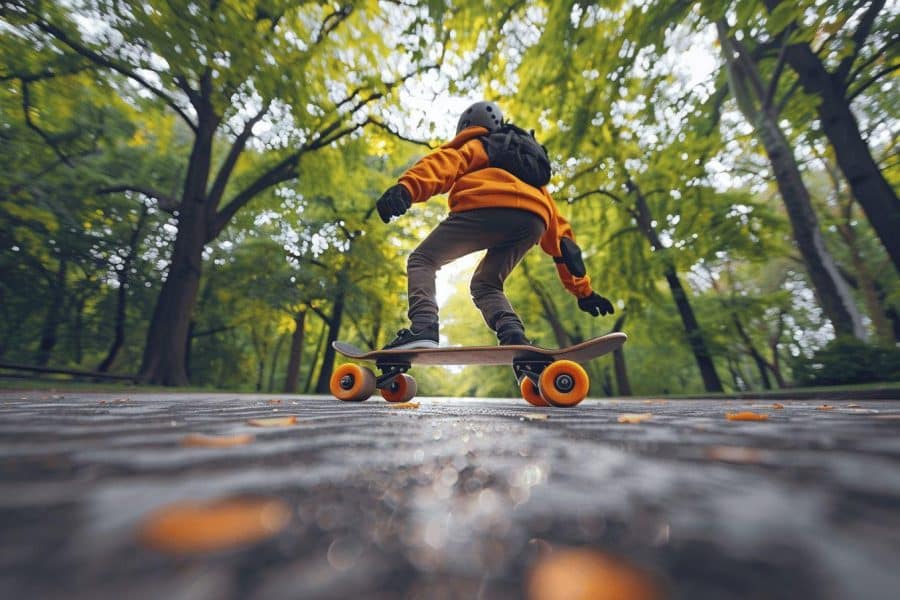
(416, 345)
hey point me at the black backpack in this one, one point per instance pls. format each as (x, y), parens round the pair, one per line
(515, 150)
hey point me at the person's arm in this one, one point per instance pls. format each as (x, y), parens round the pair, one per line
(579, 286)
(559, 228)
(435, 173)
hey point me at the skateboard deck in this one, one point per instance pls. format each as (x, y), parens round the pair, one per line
(487, 355)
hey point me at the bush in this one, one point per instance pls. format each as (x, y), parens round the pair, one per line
(847, 360)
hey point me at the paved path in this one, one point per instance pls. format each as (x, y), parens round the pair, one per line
(457, 498)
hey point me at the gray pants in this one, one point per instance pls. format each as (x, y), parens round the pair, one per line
(507, 234)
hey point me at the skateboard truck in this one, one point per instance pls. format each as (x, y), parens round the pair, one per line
(389, 372)
(530, 368)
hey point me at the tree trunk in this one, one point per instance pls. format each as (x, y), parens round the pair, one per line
(51, 321)
(122, 276)
(830, 289)
(871, 189)
(296, 354)
(623, 385)
(315, 359)
(761, 365)
(711, 381)
(167, 337)
(275, 354)
(562, 336)
(334, 327)
(78, 332)
(865, 283)
(695, 337)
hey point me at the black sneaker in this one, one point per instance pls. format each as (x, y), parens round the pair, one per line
(407, 339)
(513, 336)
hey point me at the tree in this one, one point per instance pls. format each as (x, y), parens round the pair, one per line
(859, 64)
(230, 72)
(759, 104)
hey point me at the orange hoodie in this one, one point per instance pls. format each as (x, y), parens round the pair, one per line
(460, 167)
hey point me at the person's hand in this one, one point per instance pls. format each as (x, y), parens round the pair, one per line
(596, 305)
(393, 203)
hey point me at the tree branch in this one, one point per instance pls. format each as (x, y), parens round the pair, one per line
(165, 203)
(218, 187)
(874, 79)
(336, 18)
(122, 69)
(396, 134)
(26, 109)
(779, 68)
(859, 38)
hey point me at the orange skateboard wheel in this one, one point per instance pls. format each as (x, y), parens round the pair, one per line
(352, 383)
(564, 383)
(401, 389)
(530, 393)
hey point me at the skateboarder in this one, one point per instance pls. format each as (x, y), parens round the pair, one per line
(490, 209)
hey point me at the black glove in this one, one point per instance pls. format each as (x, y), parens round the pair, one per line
(393, 203)
(596, 305)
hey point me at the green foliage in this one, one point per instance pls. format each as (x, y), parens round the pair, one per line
(847, 361)
(657, 172)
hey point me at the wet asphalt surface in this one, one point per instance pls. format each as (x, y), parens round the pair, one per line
(458, 498)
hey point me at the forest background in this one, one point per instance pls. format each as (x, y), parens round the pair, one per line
(187, 188)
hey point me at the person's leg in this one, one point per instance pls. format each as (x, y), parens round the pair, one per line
(523, 230)
(453, 238)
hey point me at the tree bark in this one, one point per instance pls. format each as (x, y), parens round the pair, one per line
(51, 320)
(562, 336)
(831, 290)
(296, 353)
(122, 276)
(334, 327)
(870, 187)
(623, 385)
(761, 365)
(696, 340)
(167, 338)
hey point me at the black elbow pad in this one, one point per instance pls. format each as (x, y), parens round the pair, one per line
(571, 257)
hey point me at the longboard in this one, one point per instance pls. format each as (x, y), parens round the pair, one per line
(546, 376)
(486, 355)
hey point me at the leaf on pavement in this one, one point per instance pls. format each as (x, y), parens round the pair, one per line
(746, 416)
(633, 418)
(200, 440)
(273, 421)
(198, 527)
(404, 405)
(575, 574)
(824, 407)
(778, 406)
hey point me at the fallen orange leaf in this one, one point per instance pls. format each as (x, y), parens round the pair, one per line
(746, 416)
(824, 407)
(778, 406)
(404, 405)
(578, 574)
(199, 440)
(196, 527)
(274, 402)
(634, 417)
(273, 421)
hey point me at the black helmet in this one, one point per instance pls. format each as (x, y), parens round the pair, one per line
(480, 114)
